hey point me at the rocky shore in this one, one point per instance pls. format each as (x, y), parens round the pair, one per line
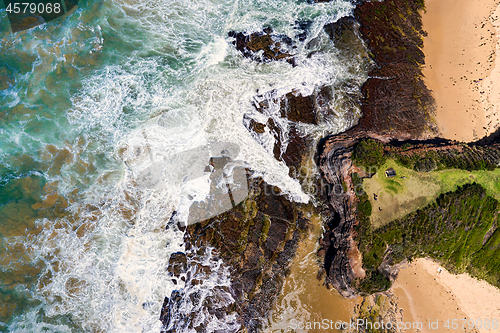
(396, 102)
(258, 239)
(255, 242)
(397, 112)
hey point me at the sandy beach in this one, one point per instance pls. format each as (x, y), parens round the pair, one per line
(427, 292)
(463, 72)
(461, 66)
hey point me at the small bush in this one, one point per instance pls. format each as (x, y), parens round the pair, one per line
(365, 206)
(374, 282)
(369, 153)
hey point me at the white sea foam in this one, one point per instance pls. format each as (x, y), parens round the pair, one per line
(182, 87)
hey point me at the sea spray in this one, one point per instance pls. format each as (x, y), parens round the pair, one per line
(99, 97)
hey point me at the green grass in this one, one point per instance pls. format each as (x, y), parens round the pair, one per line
(451, 179)
(459, 229)
(442, 204)
(400, 196)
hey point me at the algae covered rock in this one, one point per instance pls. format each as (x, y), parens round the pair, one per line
(264, 46)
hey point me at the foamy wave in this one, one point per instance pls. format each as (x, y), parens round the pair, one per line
(108, 269)
(176, 84)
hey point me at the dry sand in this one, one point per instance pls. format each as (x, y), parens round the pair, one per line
(461, 67)
(427, 295)
(464, 74)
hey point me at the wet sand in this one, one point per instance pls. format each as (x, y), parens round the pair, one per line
(461, 67)
(304, 298)
(428, 295)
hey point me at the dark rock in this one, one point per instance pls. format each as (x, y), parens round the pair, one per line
(278, 134)
(339, 29)
(396, 98)
(169, 306)
(257, 240)
(295, 109)
(181, 311)
(196, 282)
(258, 268)
(298, 108)
(256, 127)
(297, 146)
(264, 46)
(341, 248)
(177, 264)
(304, 26)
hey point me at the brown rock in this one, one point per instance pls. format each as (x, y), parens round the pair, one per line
(395, 96)
(263, 46)
(177, 264)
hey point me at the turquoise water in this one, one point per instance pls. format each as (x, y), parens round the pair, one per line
(90, 100)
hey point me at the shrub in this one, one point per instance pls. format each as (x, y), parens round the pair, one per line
(365, 206)
(369, 153)
(374, 282)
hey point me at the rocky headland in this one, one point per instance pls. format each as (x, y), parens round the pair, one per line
(397, 113)
(258, 239)
(396, 105)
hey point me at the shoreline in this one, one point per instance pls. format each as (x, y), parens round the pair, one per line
(441, 295)
(461, 67)
(428, 295)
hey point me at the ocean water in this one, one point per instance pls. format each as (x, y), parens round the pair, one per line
(91, 100)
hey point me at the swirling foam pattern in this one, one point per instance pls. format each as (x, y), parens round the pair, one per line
(90, 100)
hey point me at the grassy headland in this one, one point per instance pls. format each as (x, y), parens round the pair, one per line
(411, 190)
(442, 203)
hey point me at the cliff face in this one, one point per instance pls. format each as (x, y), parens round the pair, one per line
(338, 242)
(346, 230)
(343, 260)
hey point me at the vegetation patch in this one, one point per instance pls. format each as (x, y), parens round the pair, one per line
(266, 224)
(429, 209)
(411, 190)
(466, 158)
(363, 212)
(422, 174)
(369, 153)
(460, 230)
